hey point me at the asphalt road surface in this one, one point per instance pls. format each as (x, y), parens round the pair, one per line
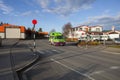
(14, 58)
(74, 63)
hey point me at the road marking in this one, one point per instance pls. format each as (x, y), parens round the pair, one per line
(97, 72)
(105, 70)
(73, 69)
(114, 67)
(54, 50)
(41, 52)
(111, 52)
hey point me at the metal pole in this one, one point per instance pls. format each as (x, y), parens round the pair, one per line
(34, 41)
(34, 37)
(104, 42)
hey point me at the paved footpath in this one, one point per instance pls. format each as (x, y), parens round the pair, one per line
(21, 55)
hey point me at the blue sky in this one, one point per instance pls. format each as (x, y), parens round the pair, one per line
(53, 14)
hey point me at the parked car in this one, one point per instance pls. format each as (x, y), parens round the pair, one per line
(117, 40)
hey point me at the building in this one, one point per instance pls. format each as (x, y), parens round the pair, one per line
(113, 33)
(9, 31)
(84, 30)
(45, 34)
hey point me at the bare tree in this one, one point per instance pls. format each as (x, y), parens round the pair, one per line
(40, 30)
(53, 30)
(1, 23)
(66, 29)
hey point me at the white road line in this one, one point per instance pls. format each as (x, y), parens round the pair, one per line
(105, 70)
(111, 52)
(114, 67)
(73, 69)
(54, 50)
(40, 52)
(97, 72)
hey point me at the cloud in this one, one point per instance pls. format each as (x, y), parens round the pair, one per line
(64, 7)
(106, 21)
(30, 13)
(27, 13)
(5, 8)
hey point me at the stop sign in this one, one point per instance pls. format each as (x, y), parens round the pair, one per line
(34, 21)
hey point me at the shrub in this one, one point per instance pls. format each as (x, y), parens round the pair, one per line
(88, 43)
(71, 39)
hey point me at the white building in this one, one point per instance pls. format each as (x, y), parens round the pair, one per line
(82, 31)
(12, 31)
(96, 29)
(113, 33)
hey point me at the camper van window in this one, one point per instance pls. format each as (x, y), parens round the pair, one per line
(59, 37)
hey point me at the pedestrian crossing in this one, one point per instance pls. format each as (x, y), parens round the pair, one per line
(49, 51)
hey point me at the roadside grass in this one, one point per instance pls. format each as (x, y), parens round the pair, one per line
(89, 43)
(114, 46)
(71, 40)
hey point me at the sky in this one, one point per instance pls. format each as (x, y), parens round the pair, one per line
(54, 14)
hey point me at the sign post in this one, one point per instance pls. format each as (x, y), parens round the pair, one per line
(33, 29)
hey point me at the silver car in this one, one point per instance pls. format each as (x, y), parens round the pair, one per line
(117, 40)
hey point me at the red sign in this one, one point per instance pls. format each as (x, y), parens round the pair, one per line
(34, 21)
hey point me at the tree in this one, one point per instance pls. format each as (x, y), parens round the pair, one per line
(53, 30)
(28, 33)
(1, 23)
(40, 30)
(66, 29)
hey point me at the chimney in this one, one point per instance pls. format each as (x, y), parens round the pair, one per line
(113, 28)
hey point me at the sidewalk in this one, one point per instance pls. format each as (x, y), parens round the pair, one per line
(22, 56)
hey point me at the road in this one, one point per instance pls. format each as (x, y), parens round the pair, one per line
(74, 63)
(14, 58)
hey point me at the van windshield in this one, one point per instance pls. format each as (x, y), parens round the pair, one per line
(59, 37)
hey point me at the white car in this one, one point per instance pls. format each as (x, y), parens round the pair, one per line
(117, 40)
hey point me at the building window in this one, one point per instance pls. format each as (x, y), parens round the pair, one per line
(73, 29)
(80, 29)
(98, 29)
(76, 29)
(89, 29)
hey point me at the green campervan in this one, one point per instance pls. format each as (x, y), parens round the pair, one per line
(56, 38)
